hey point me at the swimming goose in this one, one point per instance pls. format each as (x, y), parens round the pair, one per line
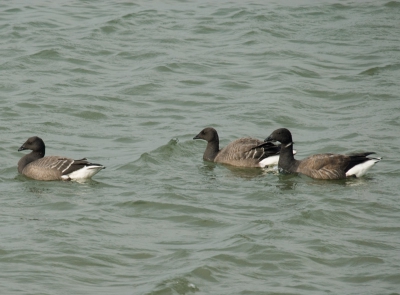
(243, 152)
(35, 165)
(321, 166)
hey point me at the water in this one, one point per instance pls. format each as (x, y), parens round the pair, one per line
(128, 85)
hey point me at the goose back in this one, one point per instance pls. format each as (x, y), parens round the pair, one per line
(246, 152)
(324, 166)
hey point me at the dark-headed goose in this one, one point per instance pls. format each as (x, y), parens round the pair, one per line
(321, 166)
(243, 152)
(35, 165)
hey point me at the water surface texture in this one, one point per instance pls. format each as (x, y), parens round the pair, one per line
(129, 83)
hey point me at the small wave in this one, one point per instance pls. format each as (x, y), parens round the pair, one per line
(378, 70)
(392, 4)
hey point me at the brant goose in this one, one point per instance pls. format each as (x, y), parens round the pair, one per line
(243, 152)
(322, 166)
(35, 165)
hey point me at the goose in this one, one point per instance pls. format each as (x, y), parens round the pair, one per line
(320, 166)
(35, 165)
(243, 152)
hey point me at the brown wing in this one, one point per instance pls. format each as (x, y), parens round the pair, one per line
(246, 152)
(324, 166)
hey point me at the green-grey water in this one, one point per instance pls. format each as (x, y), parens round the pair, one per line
(128, 85)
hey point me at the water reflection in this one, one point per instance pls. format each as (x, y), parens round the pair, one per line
(242, 172)
(247, 173)
(290, 181)
(287, 181)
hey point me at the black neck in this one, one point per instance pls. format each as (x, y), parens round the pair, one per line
(211, 151)
(287, 162)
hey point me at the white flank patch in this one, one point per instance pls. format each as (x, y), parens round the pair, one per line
(85, 172)
(272, 160)
(360, 169)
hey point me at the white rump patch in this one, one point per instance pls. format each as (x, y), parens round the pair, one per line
(360, 169)
(85, 172)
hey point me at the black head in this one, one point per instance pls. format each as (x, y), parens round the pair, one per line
(282, 135)
(208, 134)
(33, 143)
